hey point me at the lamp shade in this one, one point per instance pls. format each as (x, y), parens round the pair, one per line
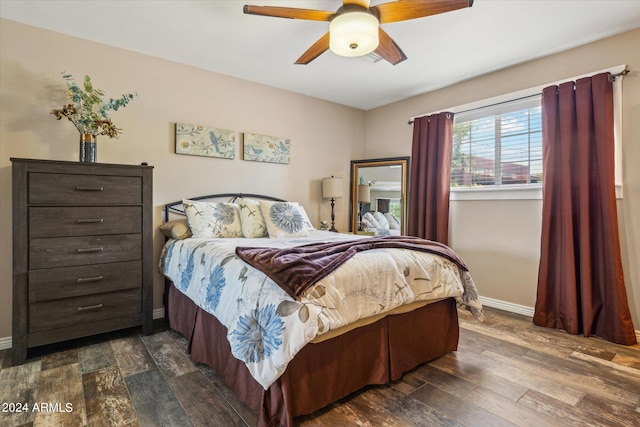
(332, 188)
(364, 193)
(353, 34)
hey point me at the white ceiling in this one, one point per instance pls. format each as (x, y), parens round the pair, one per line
(443, 49)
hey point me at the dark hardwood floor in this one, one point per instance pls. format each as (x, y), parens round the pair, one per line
(506, 372)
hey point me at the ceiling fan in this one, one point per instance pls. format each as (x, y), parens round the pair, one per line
(354, 29)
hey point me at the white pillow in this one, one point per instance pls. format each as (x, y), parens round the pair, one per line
(369, 217)
(367, 225)
(305, 217)
(381, 220)
(251, 218)
(211, 219)
(283, 219)
(393, 222)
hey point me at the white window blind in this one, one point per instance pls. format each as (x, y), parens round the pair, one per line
(498, 145)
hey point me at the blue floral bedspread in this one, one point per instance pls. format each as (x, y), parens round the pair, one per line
(266, 327)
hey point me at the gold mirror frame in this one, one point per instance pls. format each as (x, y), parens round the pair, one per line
(403, 162)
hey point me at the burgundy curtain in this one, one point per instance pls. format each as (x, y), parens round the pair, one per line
(383, 205)
(580, 281)
(430, 176)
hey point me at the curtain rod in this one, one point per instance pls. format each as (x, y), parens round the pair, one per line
(491, 105)
(612, 78)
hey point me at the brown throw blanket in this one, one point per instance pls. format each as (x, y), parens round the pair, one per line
(295, 269)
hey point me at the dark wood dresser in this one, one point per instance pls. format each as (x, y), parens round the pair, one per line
(82, 250)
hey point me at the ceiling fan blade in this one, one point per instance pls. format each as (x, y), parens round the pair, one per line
(403, 10)
(288, 12)
(363, 3)
(318, 48)
(388, 49)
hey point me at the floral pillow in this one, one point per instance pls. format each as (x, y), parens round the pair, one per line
(283, 219)
(211, 219)
(251, 218)
(305, 218)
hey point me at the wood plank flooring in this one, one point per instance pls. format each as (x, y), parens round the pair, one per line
(506, 372)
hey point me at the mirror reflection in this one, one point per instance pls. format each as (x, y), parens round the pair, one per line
(378, 196)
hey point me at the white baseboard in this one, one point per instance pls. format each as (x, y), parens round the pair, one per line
(5, 343)
(507, 306)
(158, 313)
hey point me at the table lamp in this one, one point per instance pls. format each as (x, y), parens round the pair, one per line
(364, 196)
(332, 189)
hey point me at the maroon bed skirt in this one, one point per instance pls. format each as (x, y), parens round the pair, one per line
(325, 372)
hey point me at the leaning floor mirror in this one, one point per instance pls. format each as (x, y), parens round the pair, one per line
(379, 196)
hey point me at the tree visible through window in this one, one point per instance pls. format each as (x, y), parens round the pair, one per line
(395, 208)
(499, 145)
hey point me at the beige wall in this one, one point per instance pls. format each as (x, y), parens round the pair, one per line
(324, 136)
(500, 239)
(503, 252)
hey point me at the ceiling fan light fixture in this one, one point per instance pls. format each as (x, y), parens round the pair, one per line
(353, 34)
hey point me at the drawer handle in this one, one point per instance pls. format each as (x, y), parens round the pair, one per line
(90, 307)
(80, 188)
(89, 279)
(89, 220)
(86, 250)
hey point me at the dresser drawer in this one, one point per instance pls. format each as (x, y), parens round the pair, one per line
(54, 314)
(69, 251)
(66, 282)
(47, 188)
(83, 221)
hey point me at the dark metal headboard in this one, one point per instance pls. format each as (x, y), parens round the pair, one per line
(177, 208)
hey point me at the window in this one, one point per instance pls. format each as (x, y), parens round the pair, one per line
(395, 208)
(498, 145)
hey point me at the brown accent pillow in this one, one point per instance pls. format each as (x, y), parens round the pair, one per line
(176, 229)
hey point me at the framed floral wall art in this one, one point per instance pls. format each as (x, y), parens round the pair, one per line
(263, 148)
(198, 140)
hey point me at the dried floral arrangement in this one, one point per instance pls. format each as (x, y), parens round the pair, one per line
(88, 111)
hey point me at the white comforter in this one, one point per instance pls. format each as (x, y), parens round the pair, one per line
(266, 327)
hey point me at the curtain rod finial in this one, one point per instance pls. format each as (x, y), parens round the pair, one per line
(613, 77)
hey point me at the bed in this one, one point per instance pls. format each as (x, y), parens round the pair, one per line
(289, 351)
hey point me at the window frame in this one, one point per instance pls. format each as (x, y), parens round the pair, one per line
(534, 191)
(493, 116)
